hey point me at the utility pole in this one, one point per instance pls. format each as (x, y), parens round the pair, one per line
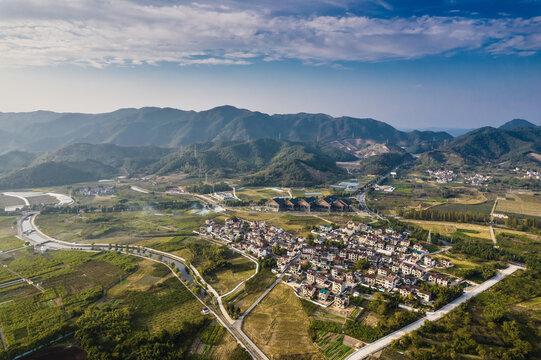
(195, 150)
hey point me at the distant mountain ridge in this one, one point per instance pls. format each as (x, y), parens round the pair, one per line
(517, 123)
(167, 127)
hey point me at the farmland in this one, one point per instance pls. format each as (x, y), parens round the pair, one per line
(129, 225)
(520, 203)
(279, 327)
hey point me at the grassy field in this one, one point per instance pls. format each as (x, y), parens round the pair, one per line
(279, 326)
(524, 204)
(448, 228)
(8, 241)
(243, 299)
(226, 280)
(135, 225)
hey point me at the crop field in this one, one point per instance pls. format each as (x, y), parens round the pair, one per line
(72, 280)
(9, 201)
(165, 308)
(448, 228)
(147, 275)
(6, 275)
(423, 195)
(42, 199)
(331, 345)
(484, 207)
(523, 204)
(279, 326)
(10, 243)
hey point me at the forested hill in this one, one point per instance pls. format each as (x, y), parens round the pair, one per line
(263, 161)
(490, 146)
(167, 127)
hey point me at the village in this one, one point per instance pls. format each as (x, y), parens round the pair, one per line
(442, 176)
(334, 263)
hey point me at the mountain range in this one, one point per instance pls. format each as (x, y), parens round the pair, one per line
(167, 127)
(260, 161)
(224, 142)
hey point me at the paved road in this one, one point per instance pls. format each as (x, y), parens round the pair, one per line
(432, 316)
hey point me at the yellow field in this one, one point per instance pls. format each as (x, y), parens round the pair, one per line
(520, 204)
(279, 326)
(447, 228)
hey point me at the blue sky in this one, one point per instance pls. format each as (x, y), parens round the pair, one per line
(409, 63)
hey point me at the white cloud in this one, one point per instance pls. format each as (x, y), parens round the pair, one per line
(119, 32)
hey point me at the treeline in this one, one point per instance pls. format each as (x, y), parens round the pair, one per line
(527, 224)
(204, 188)
(120, 207)
(454, 216)
(108, 333)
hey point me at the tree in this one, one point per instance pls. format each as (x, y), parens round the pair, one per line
(362, 264)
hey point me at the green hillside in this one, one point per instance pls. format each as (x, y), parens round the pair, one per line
(264, 161)
(489, 146)
(56, 173)
(14, 160)
(125, 159)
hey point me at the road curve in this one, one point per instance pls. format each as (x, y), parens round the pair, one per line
(223, 317)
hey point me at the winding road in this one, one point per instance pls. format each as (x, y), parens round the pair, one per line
(28, 231)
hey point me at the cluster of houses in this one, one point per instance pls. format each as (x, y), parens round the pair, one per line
(99, 190)
(384, 188)
(328, 203)
(528, 174)
(477, 179)
(442, 176)
(326, 270)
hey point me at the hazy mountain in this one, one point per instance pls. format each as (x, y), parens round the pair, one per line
(517, 123)
(56, 173)
(166, 127)
(14, 160)
(451, 131)
(125, 159)
(489, 146)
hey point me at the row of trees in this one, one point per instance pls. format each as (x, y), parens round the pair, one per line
(454, 216)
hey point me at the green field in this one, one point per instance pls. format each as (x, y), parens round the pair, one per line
(132, 226)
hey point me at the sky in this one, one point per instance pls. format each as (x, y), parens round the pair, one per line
(413, 64)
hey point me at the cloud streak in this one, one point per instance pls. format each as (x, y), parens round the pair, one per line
(120, 32)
